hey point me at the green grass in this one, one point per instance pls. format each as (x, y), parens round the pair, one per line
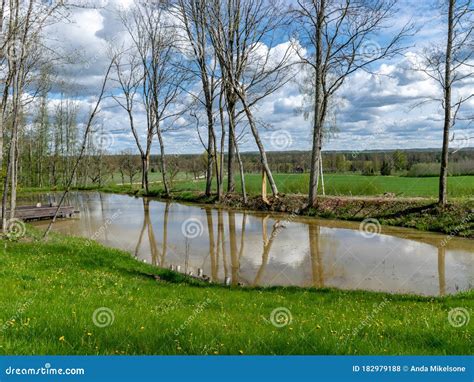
(50, 291)
(335, 184)
(346, 185)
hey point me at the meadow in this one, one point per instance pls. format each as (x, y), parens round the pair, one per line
(76, 297)
(337, 185)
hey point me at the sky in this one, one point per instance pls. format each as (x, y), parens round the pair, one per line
(376, 110)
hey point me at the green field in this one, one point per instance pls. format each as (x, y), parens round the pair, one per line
(51, 291)
(343, 184)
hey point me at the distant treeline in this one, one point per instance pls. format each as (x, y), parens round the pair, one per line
(99, 168)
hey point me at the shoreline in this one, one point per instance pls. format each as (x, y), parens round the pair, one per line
(424, 214)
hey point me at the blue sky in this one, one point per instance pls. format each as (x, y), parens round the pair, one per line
(371, 111)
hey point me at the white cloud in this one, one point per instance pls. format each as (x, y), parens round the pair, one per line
(373, 111)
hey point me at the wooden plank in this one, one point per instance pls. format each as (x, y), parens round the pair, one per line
(46, 212)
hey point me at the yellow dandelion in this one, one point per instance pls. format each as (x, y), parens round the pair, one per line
(61, 338)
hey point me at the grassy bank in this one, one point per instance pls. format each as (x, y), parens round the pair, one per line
(51, 291)
(456, 219)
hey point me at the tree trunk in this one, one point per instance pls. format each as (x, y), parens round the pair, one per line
(321, 172)
(231, 148)
(241, 169)
(5, 194)
(210, 154)
(443, 176)
(261, 149)
(317, 128)
(264, 186)
(220, 165)
(14, 176)
(163, 163)
(145, 164)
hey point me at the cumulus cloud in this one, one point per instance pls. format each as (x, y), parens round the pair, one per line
(373, 110)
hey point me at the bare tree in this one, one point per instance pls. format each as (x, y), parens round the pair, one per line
(153, 38)
(450, 67)
(21, 54)
(85, 139)
(192, 16)
(128, 166)
(243, 34)
(129, 75)
(337, 39)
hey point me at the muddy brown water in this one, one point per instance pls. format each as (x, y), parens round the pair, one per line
(266, 249)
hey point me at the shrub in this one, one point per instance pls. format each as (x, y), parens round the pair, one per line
(465, 167)
(386, 168)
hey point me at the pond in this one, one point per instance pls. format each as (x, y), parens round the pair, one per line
(265, 249)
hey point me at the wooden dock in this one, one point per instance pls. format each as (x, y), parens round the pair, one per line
(43, 212)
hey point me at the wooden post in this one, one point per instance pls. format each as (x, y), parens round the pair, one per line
(264, 186)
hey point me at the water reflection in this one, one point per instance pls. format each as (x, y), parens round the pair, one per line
(315, 254)
(266, 249)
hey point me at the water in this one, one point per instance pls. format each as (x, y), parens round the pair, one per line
(264, 249)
